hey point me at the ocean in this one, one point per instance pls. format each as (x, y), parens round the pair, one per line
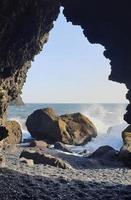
(108, 119)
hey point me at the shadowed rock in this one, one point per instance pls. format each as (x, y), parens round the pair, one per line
(60, 146)
(125, 152)
(76, 129)
(46, 159)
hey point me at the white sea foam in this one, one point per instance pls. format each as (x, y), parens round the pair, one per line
(109, 127)
(109, 124)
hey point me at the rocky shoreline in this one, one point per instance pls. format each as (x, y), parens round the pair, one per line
(41, 169)
(20, 181)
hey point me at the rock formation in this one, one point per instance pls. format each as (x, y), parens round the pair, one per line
(125, 152)
(17, 102)
(25, 25)
(24, 28)
(106, 23)
(41, 158)
(14, 133)
(75, 128)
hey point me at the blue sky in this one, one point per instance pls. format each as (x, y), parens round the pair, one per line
(71, 70)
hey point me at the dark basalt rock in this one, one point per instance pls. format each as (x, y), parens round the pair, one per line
(105, 153)
(60, 146)
(105, 156)
(46, 159)
(106, 23)
(44, 124)
(25, 25)
(75, 128)
(24, 28)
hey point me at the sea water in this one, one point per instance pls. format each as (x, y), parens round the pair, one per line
(108, 119)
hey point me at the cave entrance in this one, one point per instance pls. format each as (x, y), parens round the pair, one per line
(71, 70)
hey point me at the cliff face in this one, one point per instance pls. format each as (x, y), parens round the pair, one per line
(24, 28)
(107, 23)
(17, 102)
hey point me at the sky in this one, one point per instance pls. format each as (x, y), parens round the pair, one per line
(71, 70)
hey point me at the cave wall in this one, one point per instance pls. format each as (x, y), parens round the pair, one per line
(107, 23)
(24, 28)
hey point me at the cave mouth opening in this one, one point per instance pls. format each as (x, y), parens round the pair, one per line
(71, 70)
(69, 64)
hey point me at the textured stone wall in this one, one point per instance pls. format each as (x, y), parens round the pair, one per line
(24, 28)
(107, 23)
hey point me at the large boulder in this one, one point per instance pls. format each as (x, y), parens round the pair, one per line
(14, 133)
(79, 127)
(105, 153)
(76, 129)
(103, 157)
(44, 124)
(125, 152)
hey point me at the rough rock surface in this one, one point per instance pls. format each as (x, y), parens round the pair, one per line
(44, 124)
(79, 127)
(17, 102)
(106, 23)
(76, 129)
(125, 152)
(14, 133)
(24, 28)
(46, 159)
(105, 156)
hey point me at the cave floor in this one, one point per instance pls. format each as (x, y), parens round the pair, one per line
(19, 181)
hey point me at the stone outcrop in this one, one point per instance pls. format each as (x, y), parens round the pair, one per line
(17, 102)
(46, 159)
(75, 128)
(108, 24)
(79, 127)
(24, 28)
(25, 25)
(14, 133)
(125, 152)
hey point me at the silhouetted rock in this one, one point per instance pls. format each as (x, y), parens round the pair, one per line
(76, 129)
(46, 159)
(60, 146)
(105, 153)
